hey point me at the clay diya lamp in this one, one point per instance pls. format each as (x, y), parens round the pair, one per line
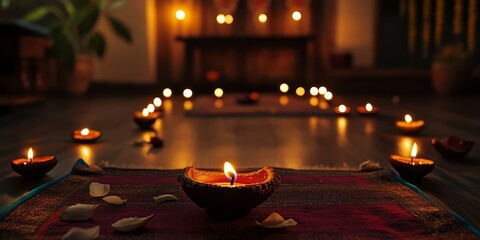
(367, 110)
(31, 167)
(412, 168)
(228, 195)
(453, 148)
(342, 110)
(145, 119)
(251, 99)
(409, 126)
(86, 135)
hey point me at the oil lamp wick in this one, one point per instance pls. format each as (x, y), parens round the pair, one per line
(232, 180)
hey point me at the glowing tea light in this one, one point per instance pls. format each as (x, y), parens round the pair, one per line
(167, 92)
(284, 87)
(221, 18)
(322, 90)
(262, 18)
(145, 113)
(180, 14)
(218, 92)
(368, 109)
(230, 173)
(296, 16)
(412, 168)
(31, 167)
(313, 91)
(342, 110)
(328, 96)
(409, 126)
(187, 93)
(146, 119)
(157, 102)
(86, 135)
(228, 19)
(151, 108)
(85, 132)
(300, 91)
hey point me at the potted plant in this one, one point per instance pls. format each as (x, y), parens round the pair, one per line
(75, 38)
(451, 70)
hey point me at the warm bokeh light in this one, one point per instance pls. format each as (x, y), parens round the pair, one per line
(283, 100)
(145, 112)
(328, 96)
(300, 91)
(313, 91)
(157, 102)
(85, 153)
(228, 19)
(230, 172)
(85, 132)
(322, 90)
(167, 105)
(323, 105)
(342, 108)
(262, 18)
(151, 108)
(180, 14)
(313, 101)
(296, 16)
(218, 92)
(342, 123)
(167, 92)
(221, 18)
(30, 154)
(284, 87)
(408, 118)
(187, 93)
(188, 105)
(368, 107)
(218, 103)
(413, 154)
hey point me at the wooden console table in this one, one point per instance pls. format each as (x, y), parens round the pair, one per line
(246, 43)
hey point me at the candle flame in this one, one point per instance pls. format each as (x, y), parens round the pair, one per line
(328, 96)
(342, 108)
(408, 118)
(145, 112)
(369, 107)
(85, 132)
(322, 90)
(157, 102)
(230, 172)
(30, 154)
(414, 151)
(187, 93)
(151, 108)
(300, 91)
(284, 87)
(218, 92)
(167, 92)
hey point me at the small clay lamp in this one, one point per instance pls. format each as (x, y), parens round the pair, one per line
(342, 110)
(31, 167)
(145, 119)
(251, 99)
(226, 194)
(367, 110)
(409, 126)
(86, 135)
(411, 168)
(453, 148)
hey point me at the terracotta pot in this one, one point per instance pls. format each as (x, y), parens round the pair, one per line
(78, 82)
(450, 78)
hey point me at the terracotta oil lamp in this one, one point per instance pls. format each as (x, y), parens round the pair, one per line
(251, 99)
(453, 148)
(226, 194)
(342, 110)
(409, 126)
(145, 119)
(367, 110)
(86, 135)
(31, 167)
(412, 168)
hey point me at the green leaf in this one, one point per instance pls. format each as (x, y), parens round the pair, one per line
(5, 4)
(69, 7)
(41, 12)
(87, 20)
(102, 4)
(117, 4)
(120, 29)
(97, 43)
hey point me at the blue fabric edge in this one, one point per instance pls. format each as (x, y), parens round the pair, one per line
(12, 206)
(464, 222)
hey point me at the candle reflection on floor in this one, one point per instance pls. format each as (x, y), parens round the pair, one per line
(404, 146)
(85, 152)
(342, 128)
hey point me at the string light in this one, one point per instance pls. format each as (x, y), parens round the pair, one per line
(221, 18)
(228, 19)
(262, 18)
(296, 16)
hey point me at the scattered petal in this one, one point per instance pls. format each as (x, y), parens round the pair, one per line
(98, 189)
(77, 233)
(114, 200)
(78, 212)
(164, 198)
(130, 224)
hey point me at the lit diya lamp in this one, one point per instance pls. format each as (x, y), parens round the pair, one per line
(218, 92)
(86, 135)
(342, 110)
(31, 167)
(251, 99)
(409, 126)
(411, 168)
(227, 194)
(453, 148)
(328, 96)
(284, 88)
(367, 110)
(167, 92)
(145, 119)
(158, 104)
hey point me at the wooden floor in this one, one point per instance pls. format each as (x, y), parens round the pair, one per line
(322, 142)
